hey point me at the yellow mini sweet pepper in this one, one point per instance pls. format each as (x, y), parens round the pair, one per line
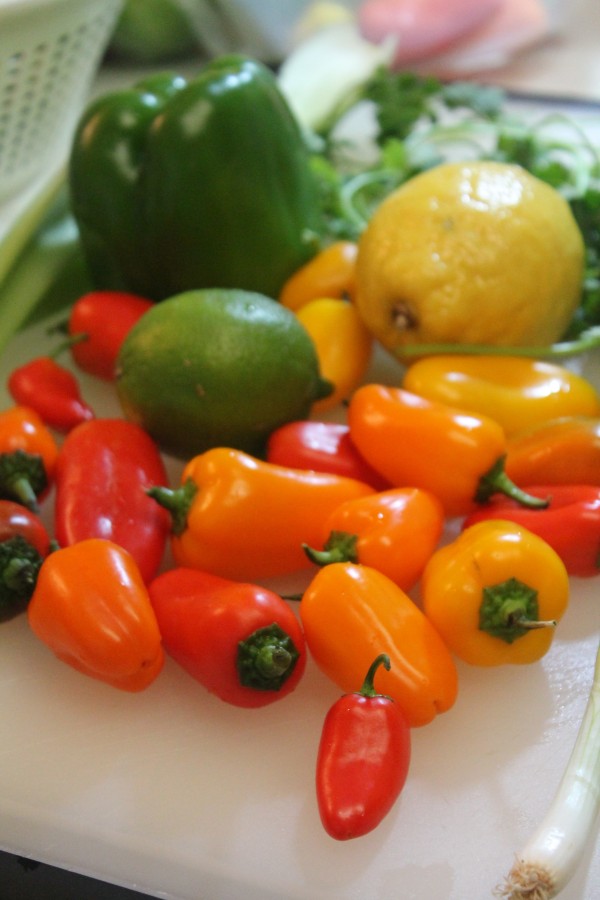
(495, 594)
(517, 392)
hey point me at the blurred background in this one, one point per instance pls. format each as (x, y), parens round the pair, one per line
(547, 46)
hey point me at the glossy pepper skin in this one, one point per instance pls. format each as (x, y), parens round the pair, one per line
(570, 524)
(24, 544)
(415, 442)
(92, 609)
(350, 611)
(564, 451)
(217, 171)
(343, 344)
(99, 322)
(242, 642)
(330, 273)
(52, 390)
(516, 392)
(363, 760)
(394, 531)
(495, 594)
(242, 518)
(28, 455)
(103, 471)
(323, 447)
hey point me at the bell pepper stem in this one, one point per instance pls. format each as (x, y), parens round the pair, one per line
(177, 501)
(496, 481)
(509, 610)
(340, 546)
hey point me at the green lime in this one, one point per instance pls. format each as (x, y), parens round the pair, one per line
(217, 367)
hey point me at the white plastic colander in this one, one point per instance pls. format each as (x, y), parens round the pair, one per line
(50, 51)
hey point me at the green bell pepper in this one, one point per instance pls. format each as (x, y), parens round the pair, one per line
(177, 185)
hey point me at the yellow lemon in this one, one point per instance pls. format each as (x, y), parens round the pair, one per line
(470, 253)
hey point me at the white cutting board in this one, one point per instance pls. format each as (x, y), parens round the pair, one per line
(179, 795)
(176, 794)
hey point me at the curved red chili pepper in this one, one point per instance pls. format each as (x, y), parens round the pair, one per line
(103, 471)
(363, 760)
(52, 391)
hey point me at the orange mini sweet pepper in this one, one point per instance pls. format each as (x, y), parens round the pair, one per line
(564, 451)
(28, 454)
(245, 519)
(91, 607)
(349, 612)
(415, 442)
(394, 531)
(331, 273)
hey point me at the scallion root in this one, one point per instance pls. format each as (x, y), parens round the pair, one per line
(526, 881)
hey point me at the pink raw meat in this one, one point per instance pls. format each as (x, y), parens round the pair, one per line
(423, 27)
(516, 25)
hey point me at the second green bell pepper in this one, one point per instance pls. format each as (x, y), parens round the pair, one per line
(177, 185)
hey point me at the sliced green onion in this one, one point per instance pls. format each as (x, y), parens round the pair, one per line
(552, 855)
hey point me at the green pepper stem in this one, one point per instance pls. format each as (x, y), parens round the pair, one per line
(272, 660)
(340, 546)
(266, 659)
(19, 573)
(509, 610)
(496, 481)
(368, 689)
(177, 501)
(20, 487)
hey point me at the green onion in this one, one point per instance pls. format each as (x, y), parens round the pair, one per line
(47, 274)
(552, 854)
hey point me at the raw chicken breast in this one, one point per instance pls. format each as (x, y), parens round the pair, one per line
(516, 25)
(423, 27)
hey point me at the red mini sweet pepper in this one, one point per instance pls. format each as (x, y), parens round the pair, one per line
(570, 523)
(363, 759)
(52, 390)
(322, 447)
(24, 544)
(103, 471)
(99, 322)
(241, 641)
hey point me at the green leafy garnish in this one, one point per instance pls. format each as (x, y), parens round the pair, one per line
(420, 122)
